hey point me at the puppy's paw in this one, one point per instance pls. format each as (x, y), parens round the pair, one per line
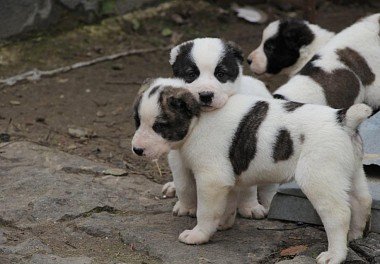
(181, 210)
(193, 237)
(328, 257)
(253, 212)
(168, 190)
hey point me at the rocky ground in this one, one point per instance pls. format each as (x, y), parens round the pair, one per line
(70, 189)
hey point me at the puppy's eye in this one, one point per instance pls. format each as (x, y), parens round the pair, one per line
(158, 127)
(220, 74)
(191, 74)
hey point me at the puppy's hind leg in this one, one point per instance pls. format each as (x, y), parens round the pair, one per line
(248, 204)
(266, 193)
(228, 218)
(361, 202)
(327, 188)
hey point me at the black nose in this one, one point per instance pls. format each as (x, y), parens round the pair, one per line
(138, 151)
(206, 97)
(249, 61)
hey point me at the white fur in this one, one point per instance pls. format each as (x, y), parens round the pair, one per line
(363, 37)
(259, 59)
(327, 165)
(206, 54)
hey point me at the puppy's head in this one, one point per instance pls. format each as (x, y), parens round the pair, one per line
(211, 68)
(280, 46)
(164, 113)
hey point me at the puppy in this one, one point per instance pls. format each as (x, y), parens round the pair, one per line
(259, 141)
(344, 72)
(286, 46)
(212, 71)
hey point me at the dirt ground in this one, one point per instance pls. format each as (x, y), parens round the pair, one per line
(98, 99)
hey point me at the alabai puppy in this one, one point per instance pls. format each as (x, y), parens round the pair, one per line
(254, 141)
(344, 72)
(212, 70)
(286, 46)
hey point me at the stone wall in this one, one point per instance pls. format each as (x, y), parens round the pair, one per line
(21, 16)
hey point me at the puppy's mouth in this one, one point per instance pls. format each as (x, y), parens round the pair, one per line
(207, 108)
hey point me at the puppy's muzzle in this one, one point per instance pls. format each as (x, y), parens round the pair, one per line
(206, 97)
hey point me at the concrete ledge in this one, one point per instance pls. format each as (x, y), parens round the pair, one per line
(291, 204)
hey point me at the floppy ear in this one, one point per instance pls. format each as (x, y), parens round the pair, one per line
(296, 33)
(174, 53)
(236, 50)
(184, 102)
(145, 85)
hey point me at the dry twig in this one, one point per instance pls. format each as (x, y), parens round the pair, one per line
(36, 74)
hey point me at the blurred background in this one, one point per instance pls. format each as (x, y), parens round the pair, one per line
(87, 111)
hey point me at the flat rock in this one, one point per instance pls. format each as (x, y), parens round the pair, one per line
(53, 259)
(292, 205)
(299, 260)
(369, 246)
(26, 248)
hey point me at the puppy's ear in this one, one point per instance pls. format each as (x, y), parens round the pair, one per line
(145, 85)
(174, 53)
(236, 50)
(296, 33)
(184, 102)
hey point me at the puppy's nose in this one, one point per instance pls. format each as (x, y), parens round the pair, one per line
(138, 151)
(206, 97)
(249, 61)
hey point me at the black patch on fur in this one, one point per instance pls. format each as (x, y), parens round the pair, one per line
(341, 86)
(184, 66)
(353, 60)
(178, 107)
(279, 96)
(154, 90)
(244, 143)
(283, 147)
(283, 49)
(290, 106)
(228, 66)
(302, 138)
(136, 107)
(341, 115)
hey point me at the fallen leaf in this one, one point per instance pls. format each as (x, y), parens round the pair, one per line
(292, 251)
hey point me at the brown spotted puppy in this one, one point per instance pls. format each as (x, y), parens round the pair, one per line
(344, 72)
(254, 141)
(286, 46)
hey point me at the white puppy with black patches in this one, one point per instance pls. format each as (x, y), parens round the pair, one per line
(286, 46)
(212, 71)
(254, 141)
(344, 72)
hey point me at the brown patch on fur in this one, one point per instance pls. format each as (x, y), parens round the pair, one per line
(244, 144)
(341, 86)
(178, 107)
(353, 60)
(283, 147)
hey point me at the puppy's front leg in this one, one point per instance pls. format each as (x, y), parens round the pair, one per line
(212, 196)
(185, 186)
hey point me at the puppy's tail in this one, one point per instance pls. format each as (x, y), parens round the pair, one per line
(352, 117)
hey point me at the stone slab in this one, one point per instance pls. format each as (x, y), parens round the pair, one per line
(370, 133)
(292, 205)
